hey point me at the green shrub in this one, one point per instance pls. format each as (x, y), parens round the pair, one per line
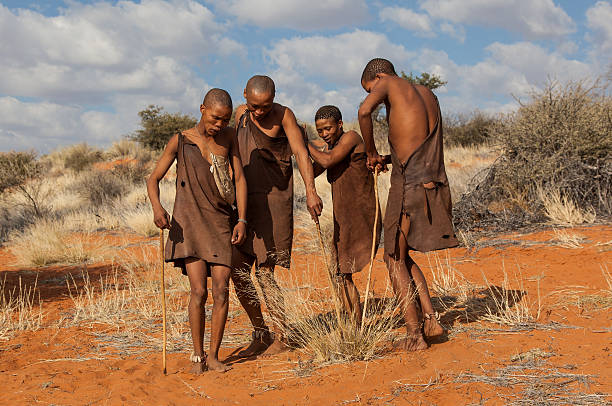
(158, 127)
(560, 140)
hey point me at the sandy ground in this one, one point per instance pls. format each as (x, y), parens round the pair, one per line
(563, 357)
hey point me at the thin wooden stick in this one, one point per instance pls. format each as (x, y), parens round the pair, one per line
(367, 291)
(163, 294)
(329, 274)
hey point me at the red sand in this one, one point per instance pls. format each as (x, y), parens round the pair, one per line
(35, 367)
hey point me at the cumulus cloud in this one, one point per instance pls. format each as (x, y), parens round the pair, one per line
(336, 59)
(91, 68)
(306, 15)
(407, 19)
(533, 18)
(599, 21)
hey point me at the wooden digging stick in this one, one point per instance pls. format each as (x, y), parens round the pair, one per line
(163, 294)
(367, 291)
(329, 273)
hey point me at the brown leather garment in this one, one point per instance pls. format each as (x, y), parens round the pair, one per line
(354, 211)
(269, 175)
(201, 219)
(419, 188)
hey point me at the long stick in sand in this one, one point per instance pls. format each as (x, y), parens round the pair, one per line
(329, 273)
(163, 293)
(367, 291)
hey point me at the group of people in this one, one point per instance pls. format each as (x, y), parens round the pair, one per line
(234, 203)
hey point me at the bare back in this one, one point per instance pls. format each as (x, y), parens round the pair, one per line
(412, 111)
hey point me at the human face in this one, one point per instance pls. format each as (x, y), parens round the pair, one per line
(259, 104)
(329, 129)
(369, 85)
(215, 118)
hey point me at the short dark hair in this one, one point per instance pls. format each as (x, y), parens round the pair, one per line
(217, 96)
(261, 84)
(377, 65)
(328, 112)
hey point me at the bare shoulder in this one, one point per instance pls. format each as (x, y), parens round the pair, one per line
(172, 145)
(240, 110)
(352, 137)
(285, 114)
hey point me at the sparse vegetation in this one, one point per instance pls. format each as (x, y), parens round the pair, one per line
(158, 127)
(18, 311)
(559, 140)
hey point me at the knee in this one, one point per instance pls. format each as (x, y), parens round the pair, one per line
(221, 296)
(199, 294)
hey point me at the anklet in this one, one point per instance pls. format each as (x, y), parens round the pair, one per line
(435, 315)
(197, 358)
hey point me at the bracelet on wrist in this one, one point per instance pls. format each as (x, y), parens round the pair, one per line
(243, 221)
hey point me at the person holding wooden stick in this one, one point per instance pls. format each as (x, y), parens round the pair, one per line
(418, 215)
(202, 228)
(354, 203)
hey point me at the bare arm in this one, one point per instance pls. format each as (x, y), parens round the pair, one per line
(298, 147)
(378, 94)
(331, 157)
(160, 215)
(239, 233)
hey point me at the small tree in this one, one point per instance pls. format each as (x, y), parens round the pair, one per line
(16, 170)
(432, 81)
(158, 127)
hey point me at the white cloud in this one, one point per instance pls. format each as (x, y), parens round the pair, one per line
(531, 18)
(306, 15)
(89, 51)
(337, 59)
(599, 21)
(455, 31)
(407, 19)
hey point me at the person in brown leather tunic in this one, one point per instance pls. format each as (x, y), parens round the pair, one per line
(353, 200)
(268, 134)
(418, 214)
(201, 234)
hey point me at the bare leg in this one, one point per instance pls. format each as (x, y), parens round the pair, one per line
(220, 290)
(401, 281)
(349, 296)
(431, 326)
(275, 304)
(196, 271)
(247, 295)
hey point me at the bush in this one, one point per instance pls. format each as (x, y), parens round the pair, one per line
(16, 168)
(99, 187)
(80, 157)
(561, 140)
(467, 130)
(158, 127)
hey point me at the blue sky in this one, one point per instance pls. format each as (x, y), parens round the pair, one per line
(80, 71)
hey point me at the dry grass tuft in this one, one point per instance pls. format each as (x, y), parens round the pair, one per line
(508, 305)
(308, 320)
(48, 242)
(140, 220)
(18, 311)
(568, 239)
(562, 210)
(447, 280)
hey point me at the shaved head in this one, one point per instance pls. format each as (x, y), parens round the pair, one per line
(377, 65)
(216, 97)
(261, 84)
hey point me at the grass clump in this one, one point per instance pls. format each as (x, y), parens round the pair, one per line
(468, 129)
(46, 242)
(560, 140)
(18, 311)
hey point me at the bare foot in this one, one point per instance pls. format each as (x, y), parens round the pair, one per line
(432, 327)
(198, 367)
(412, 342)
(276, 347)
(216, 365)
(259, 344)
